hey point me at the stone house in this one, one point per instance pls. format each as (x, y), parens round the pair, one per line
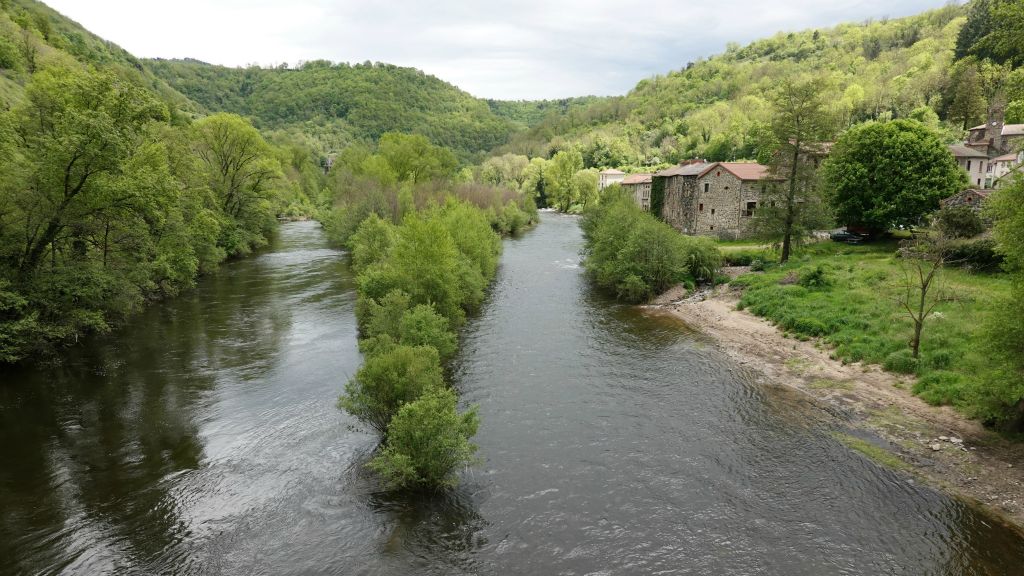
(974, 161)
(639, 185)
(606, 178)
(971, 198)
(712, 199)
(679, 194)
(728, 193)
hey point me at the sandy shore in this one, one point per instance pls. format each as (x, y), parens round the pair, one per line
(936, 444)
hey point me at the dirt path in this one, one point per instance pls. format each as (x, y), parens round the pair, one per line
(935, 443)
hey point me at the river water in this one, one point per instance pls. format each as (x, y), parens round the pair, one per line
(203, 439)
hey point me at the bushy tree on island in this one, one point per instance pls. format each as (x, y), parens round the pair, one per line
(885, 174)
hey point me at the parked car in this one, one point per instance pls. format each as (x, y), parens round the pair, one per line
(848, 237)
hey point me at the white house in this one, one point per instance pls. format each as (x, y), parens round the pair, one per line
(973, 161)
(608, 177)
(1000, 166)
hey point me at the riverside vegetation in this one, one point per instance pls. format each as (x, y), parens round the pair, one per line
(424, 252)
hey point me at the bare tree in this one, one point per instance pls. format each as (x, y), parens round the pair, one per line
(922, 260)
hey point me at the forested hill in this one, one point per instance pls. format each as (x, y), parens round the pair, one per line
(713, 108)
(337, 104)
(33, 35)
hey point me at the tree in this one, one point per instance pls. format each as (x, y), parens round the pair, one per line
(79, 133)
(922, 260)
(388, 380)
(242, 172)
(558, 178)
(1004, 390)
(792, 207)
(585, 183)
(885, 174)
(967, 103)
(413, 158)
(534, 181)
(428, 440)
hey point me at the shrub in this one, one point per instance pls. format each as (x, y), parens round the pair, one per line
(757, 265)
(634, 255)
(981, 255)
(940, 387)
(901, 362)
(371, 242)
(423, 326)
(959, 222)
(388, 380)
(817, 277)
(428, 440)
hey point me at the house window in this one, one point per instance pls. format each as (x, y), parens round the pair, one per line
(700, 208)
(707, 187)
(712, 226)
(968, 165)
(712, 211)
(726, 187)
(717, 174)
(751, 206)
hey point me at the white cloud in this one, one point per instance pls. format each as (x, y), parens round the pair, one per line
(497, 49)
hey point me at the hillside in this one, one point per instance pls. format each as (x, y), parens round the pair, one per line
(337, 104)
(33, 35)
(713, 108)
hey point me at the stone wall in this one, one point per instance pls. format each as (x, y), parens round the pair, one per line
(722, 200)
(680, 206)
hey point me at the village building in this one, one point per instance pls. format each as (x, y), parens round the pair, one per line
(639, 186)
(995, 138)
(971, 198)
(679, 194)
(974, 161)
(713, 199)
(1000, 168)
(606, 178)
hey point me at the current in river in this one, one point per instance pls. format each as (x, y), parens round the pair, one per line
(203, 438)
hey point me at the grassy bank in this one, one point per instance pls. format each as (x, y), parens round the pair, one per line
(849, 297)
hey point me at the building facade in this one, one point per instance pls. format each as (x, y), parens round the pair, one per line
(713, 199)
(974, 162)
(639, 185)
(606, 178)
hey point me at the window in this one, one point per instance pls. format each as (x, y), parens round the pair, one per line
(968, 165)
(700, 208)
(751, 206)
(726, 187)
(712, 226)
(712, 211)
(707, 187)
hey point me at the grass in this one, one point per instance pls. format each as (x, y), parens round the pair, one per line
(827, 384)
(875, 453)
(856, 311)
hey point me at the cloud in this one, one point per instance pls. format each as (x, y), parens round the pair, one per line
(500, 49)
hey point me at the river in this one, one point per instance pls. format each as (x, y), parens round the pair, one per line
(203, 438)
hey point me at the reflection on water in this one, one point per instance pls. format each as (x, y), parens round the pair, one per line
(203, 439)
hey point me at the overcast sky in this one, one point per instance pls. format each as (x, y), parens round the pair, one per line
(507, 49)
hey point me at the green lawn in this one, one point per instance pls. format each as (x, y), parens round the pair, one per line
(858, 314)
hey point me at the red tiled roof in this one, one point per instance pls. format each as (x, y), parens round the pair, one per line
(741, 170)
(637, 179)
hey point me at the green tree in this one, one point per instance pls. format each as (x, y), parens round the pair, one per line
(558, 178)
(1003, 392)
(428, 441)
(967, 104)
(792, 207)
(242, 172)
(388, 380)
(885, 174)
(413, 158)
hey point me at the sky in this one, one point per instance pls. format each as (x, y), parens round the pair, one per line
(504, 49)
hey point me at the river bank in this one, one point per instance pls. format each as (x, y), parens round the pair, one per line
(935, 444)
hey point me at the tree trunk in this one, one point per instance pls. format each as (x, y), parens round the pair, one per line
(787, 229)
